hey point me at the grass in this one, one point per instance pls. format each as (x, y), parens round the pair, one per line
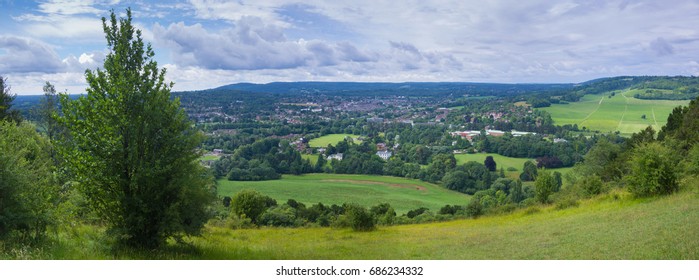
(502, 162)
(333, 139)
(622, 112)
(312, 158)
(209, 157)
(612, 226)
(403, 194)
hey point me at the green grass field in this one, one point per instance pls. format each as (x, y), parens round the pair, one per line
(312, 158)
(333, 139)
(403, 194)
(613, 226)
(502, 161)
(622, 112)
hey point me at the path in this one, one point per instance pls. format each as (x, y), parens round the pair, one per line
(589, 115)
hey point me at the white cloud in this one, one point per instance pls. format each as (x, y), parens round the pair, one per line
(28, 55)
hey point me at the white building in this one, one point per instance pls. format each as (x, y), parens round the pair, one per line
(385, 155)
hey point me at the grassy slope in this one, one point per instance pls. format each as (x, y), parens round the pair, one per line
(620, 113)
(403, 194)
(603, 228)
(333, 139)
(608, 228)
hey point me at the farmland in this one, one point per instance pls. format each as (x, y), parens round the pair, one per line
(333, 139)
(618, 112)
(402, 194)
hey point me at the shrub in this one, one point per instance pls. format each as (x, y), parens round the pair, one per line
(474, 209)
(359, 218)
(280, 216)
(653, 170)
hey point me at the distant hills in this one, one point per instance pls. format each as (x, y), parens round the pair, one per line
(407, 88)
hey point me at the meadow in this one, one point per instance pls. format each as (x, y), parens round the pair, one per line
(502, 162)
(333, 139)
(366, 190)
(610, 226)
(621, 112)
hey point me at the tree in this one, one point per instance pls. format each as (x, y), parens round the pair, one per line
(131, 149)
(529, 172)
(545, 185)
(490, 163)
(27, 188)
(653, 170)
(251, 204)
(6, 98)
(47, 111)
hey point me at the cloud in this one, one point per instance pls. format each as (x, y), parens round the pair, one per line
(661, 47)
(28, 55)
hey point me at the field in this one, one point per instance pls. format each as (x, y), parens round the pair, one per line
(502, 162)
(333, 139)
(403, 194)
(613, 226)
(622, 112)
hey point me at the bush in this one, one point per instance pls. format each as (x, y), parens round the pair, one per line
(359, 218)
(280, 216)
(474, 209)
(567, 203)
(653, 170)
(591, 185)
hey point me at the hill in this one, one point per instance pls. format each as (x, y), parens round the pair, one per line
(613, 226)
(412, 88)
(614, 111)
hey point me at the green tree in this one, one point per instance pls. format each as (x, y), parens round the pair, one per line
(529, 171)
(490, 164)
(47, 112)
(545, 185)
(131, 149)
(27, 189)
(250, 204)
(6, 98)
(653, 170)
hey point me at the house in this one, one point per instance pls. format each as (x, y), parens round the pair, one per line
(559, 140)
(337, 156)
(218, 151)
(381, 146)
(385, 155)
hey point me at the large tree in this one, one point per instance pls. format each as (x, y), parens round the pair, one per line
(131, 149)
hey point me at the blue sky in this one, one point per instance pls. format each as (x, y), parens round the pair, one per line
(206, 43)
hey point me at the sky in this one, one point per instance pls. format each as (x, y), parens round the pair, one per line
(208, 43)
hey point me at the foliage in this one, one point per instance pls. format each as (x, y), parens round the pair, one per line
(654, 170)
(250, 204)
(359, 218)
(490, 163)
(6, 98)
(529, 172)
(28, 191)
(131, 149)
(545, 185)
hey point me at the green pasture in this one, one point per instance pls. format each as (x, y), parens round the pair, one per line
(312, 158)
(403, 194)
(209, 157)
(621, 112)
(333, 139)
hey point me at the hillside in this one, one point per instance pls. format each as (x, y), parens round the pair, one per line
(613, 111)
(613, 226)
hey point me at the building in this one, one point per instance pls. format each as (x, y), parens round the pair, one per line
(337, 156)
(385, 155)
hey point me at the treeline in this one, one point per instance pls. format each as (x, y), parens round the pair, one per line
(249, 208)
(264, 159)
